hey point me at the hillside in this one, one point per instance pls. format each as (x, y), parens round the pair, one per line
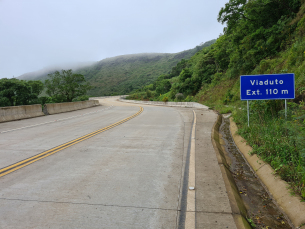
(123, 74)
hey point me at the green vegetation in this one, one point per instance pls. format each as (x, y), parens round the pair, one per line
(183, 81)
(261, 37)
(66, 86)
(124, 74)
(278, 141)
(14, 92)
(251, 223)
(61, 87)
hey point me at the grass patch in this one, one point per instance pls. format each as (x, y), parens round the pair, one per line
(278, 141)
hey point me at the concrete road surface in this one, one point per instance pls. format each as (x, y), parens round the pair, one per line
(129, 176)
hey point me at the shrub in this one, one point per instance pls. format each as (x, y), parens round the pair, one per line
(165, 99)
(179, 97)
(81, 98)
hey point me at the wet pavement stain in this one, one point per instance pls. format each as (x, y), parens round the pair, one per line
(261, 211)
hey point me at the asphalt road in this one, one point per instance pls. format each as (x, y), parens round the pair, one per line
(128, 176)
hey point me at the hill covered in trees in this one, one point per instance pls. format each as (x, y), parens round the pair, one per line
(123, 74)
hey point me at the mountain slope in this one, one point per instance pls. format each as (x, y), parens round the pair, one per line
(122, 74)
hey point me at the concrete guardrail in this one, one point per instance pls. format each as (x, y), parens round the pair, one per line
(55, 108)
(20, 112)
(104, 97)
(169, 104)
(155, 103)
(30, 111)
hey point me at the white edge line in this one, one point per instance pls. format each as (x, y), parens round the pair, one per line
(190, 218)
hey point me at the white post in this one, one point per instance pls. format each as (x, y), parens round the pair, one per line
(248, 113)
(285, 108)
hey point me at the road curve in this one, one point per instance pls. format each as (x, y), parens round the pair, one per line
(126, 177)
(129, 176)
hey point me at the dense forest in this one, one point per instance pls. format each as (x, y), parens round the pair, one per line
(260, 37)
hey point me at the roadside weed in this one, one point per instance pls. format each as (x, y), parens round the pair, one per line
(278, 141)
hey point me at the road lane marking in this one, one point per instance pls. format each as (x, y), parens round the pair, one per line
(39, 124)
(11, 168)
(190, 218)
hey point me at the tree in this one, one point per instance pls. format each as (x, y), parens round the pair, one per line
(23, 94)
(185, 73)
(36, 86)
(14, 92)
(260, 13)
(256, 29)
(163, 86)
(7, 92)
(232, 13)
(176, 70)
(65, 86)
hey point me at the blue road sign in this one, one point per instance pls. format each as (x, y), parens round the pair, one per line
(266, 87)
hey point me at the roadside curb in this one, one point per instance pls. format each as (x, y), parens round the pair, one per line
(290, 205)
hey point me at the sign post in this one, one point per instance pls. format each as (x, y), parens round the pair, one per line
(267, 87)
(248, 112)
(285, 108)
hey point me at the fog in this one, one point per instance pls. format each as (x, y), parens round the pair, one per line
(38, 34)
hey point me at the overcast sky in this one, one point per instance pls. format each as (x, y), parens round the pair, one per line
(35, 34)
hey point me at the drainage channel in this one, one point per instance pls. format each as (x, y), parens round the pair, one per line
(261, 210)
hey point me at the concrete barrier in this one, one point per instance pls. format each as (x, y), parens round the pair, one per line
(155, 103)
(106, 97)
(169, 104)
(55, 108)
(20, 112)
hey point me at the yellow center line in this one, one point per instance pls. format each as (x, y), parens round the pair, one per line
(6, 170)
